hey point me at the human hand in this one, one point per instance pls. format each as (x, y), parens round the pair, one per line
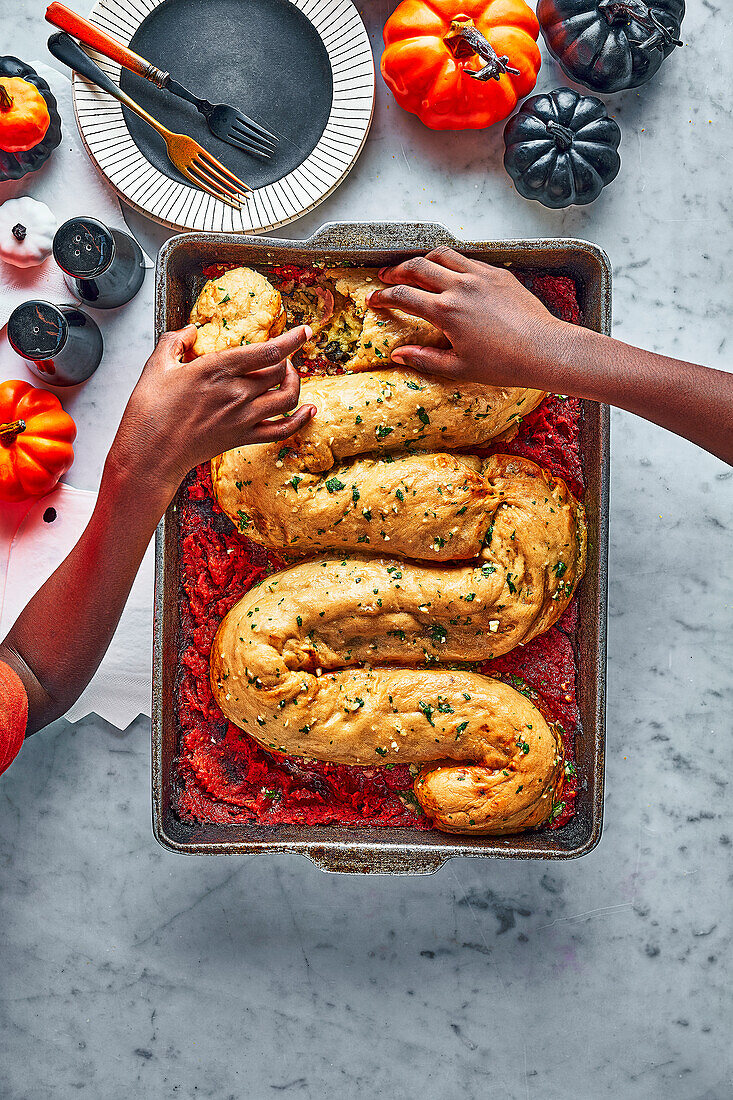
(183, 413)
(500, 333)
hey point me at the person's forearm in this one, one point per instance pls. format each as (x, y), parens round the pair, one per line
(694, 401)
(61, 636)
(177, 417)
(500, 334)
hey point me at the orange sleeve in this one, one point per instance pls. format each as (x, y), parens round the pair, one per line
(13, 715)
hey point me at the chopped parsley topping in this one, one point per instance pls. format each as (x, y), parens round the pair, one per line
(428, 711)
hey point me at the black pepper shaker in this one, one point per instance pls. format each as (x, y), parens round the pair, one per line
(102, 267)
(62, 344)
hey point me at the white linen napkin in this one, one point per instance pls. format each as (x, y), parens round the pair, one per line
(31, 548)
(70, 185)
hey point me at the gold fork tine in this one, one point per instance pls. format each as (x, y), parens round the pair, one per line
(222, 170)
(235, 203)
(214, 180)
(210, 186)
(217, 180)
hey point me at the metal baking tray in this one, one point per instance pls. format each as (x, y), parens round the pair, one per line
(383, 850)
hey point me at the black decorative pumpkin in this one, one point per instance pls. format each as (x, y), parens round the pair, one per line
(561, 148)
(15, 165)
(609, 45)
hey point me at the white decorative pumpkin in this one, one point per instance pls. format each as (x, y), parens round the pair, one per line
(27, 229)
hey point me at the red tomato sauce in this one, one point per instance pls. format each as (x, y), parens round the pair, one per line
(221, 774)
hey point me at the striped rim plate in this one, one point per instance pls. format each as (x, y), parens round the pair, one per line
(104, 131)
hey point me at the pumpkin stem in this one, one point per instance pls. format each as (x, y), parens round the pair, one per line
(6, 100)
(624, 11)
(562, 136)
(464, 40)
(10, 432)
(19, 232)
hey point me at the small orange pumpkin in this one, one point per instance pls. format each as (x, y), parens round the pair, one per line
(461, 64)
(24, 117)
(36, 437)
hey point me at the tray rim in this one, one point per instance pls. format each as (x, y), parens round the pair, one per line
(386, 852)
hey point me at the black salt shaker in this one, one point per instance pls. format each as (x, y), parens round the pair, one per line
(62, 344)
(102, 267)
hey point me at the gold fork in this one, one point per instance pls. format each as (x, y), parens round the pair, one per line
(190, 158)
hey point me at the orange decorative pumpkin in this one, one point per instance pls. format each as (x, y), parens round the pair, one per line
(36, 437)
(24, 116)
(461, 64)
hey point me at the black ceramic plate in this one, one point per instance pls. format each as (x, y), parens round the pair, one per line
(303, 68)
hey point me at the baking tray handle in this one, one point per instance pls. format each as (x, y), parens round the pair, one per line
(375, 861)
(348, 235)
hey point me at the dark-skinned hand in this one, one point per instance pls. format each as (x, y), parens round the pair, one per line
(183, 413)
(502, 335)
(495, 325)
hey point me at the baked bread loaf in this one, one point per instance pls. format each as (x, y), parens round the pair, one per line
(370, 472)
(360, 659)
(353, 659)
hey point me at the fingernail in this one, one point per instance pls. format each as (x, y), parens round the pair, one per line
(314, 410)
(308, 332)
(396, 357)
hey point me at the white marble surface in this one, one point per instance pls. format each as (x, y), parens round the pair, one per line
(130, 972)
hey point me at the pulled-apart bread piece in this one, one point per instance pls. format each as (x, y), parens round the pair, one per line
(333, 659)
(317, 491)
(238, 307)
